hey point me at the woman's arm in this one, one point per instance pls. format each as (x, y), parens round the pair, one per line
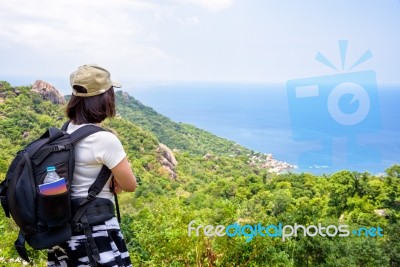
(124, 177)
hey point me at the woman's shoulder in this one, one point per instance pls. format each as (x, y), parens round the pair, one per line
(106, 135)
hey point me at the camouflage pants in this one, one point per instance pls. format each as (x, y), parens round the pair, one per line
(109, 241)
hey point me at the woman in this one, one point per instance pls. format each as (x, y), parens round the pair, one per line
(92, 102)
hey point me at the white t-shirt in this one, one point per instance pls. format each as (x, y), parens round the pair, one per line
(90, 155)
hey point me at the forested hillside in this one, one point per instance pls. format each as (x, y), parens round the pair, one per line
(221, 188)
(176, 135)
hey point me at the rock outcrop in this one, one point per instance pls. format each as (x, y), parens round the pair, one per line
(207, 156)
(381, 212)
(168, 160)
(3, 94)
(48, 92)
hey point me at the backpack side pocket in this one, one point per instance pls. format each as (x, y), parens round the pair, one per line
(54, 209)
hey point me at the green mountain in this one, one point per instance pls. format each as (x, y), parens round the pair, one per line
(175, 135)
(187, 195)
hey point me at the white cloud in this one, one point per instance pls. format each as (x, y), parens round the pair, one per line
(194, 20)
(213, 5)
(92, 27)
(72, 32)
(62, 23)
(183, 39)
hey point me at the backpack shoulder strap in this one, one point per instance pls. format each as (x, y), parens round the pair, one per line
(53, 133)
(83, 132)
(93, 191)
(100, 182)
(65, 126)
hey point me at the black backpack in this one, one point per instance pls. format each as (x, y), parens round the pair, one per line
(46, 221)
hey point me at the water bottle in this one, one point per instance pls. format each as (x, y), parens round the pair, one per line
(52, 183)
(51, 175)
(54, 206)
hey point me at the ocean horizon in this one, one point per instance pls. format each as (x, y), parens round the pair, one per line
(266, 119)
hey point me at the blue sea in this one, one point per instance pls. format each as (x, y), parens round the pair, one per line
(319, 132)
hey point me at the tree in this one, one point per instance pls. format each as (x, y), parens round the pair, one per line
(343, 186)
(394, 171)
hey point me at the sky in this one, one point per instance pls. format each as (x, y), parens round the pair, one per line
(242, 41)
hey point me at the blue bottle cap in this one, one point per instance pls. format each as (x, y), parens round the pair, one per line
(51, 168)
